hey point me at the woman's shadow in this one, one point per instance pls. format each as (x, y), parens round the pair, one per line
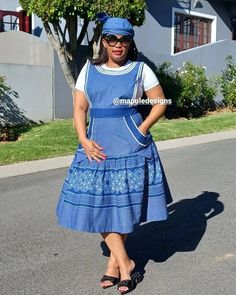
(181, 232)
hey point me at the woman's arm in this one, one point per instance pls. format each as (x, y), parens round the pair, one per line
(80, 114)
(157, 110)
(91, 147)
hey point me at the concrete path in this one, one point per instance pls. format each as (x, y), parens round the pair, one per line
(60, 162)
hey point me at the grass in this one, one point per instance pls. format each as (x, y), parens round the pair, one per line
(59, 138)
(170, 129)
(46, 140)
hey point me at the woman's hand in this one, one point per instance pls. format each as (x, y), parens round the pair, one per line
(93, 150)
(143, 129)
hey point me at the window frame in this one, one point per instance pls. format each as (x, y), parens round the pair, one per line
(212, 37)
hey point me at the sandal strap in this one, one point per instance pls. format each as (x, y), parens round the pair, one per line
(109, 278)
(125, 283)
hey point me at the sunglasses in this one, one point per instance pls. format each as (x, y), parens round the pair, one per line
(112, 40)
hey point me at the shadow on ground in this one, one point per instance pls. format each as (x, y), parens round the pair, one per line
(181, 232)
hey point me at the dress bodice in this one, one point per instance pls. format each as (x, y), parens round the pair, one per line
(118, 135)
(102, 86)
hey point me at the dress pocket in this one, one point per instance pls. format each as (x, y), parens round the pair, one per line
(132, 123)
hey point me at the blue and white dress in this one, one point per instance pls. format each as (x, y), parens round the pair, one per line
(127, 188)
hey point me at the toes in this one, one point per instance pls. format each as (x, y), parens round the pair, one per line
(106, 283)
(123, 289)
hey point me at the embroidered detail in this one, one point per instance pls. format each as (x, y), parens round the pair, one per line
(115, 72)
(154, 176)
(118, 182)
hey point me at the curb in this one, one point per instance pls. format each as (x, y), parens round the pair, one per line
(65, 161)
(197, 139)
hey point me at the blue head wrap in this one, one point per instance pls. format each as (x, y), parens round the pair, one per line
(115, 25)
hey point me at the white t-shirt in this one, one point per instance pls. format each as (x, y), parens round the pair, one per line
(148, 80)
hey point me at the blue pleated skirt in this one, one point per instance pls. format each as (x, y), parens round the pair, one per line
(115, 195)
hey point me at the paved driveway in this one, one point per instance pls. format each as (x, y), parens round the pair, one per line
(193, 252)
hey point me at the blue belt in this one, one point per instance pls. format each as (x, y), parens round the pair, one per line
(112, 112)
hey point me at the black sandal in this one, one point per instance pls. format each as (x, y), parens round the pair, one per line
(130, 283)
(112, 279)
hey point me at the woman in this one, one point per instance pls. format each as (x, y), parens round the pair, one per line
(116, 180)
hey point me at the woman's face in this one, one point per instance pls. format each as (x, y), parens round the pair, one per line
(117, 50)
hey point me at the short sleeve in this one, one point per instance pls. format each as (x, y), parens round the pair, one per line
(80, 82)
(149, 78)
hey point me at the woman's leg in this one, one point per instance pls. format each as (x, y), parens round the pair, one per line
(112, 260)
(113, 266)
(115, 243)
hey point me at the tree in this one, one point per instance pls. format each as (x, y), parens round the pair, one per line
(64, 36)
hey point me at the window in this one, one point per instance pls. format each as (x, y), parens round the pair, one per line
(190, 31)
(10, 23)
(14, 21)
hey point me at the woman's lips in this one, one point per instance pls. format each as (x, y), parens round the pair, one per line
(117, 52)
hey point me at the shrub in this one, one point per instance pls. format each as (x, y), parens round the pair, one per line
(3, 89)
(171, 85)
(228, 83)
(12, 118)
(191, 91)
(197, 91)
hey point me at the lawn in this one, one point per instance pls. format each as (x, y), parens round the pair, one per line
(59, 138)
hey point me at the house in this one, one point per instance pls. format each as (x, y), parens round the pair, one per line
(174, 30)
(197, 30)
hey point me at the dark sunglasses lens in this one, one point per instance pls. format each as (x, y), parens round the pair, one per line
(125, 40)
(111, 39)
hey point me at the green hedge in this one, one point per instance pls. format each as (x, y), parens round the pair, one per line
(228, 83)
(192, 92)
